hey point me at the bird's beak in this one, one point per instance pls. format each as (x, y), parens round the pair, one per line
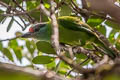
(28, 35)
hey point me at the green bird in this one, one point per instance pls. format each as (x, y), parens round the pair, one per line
(72, 31)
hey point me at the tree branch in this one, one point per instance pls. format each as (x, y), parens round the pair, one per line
(10, 70)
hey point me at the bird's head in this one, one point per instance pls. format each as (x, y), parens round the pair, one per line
(34, 30)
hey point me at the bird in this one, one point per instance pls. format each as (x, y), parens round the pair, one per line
(72, 31)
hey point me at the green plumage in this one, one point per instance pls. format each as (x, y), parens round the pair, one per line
(69, 33)
(72, 31)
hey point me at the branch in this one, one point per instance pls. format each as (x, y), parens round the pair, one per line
(104, 40)
(86, 12)
(29, 17)
(89, 53)
(41, 7)
(27, 73)
(55, 30)
(4, 4)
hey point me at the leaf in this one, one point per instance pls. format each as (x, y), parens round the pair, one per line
(36, 15)
(30, 46)
(3, 20)
(7, 53)
(16, 48)
(101, 29)
(1, 17)
(94, 21)
(111, 36)
(45, 47)
(81, 56)
(113, 24)
(44, 18)
(10, 24)
(47, 5)
(18, 52)
(1, 46)
(65, 11)
(13, 43)
(43, 59)
(51, 65)
(6, 1)
(32, 4)
(64, 65)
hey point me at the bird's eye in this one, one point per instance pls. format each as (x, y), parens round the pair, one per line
(31, 29)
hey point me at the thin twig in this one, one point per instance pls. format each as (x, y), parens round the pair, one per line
(57, 66)
(22, 21)
(81, 11)
(79, 64)
(89, 53)
(18, 23)
(4, 4)
(29, 17)
(104, 40)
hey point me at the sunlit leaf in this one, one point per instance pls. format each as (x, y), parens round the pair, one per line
(81, 56)
(32, 4)
(94, 21)
(43, 59)
(18, 52)
(64, 65)
(111, 36)
(13, 43)
(47, 5)
(101, 29)
(51, 65)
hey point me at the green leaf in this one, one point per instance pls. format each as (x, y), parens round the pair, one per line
(65, 11)
(18, 52)
(113, 24)
(45, 47)
(1, 17)
(94, 21)
(111, 36)
(81, 56)
(51, 66)
(30, 46)
(13, 43)
(10, 24)
(6, 1)
(47, 5)
(36, 15)
(43, 59)
(1, 46)
(63, 65)
(32, 4)
(7, 53)
(117, 44)
(44, 18)
(3, 20)
(101, 29)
